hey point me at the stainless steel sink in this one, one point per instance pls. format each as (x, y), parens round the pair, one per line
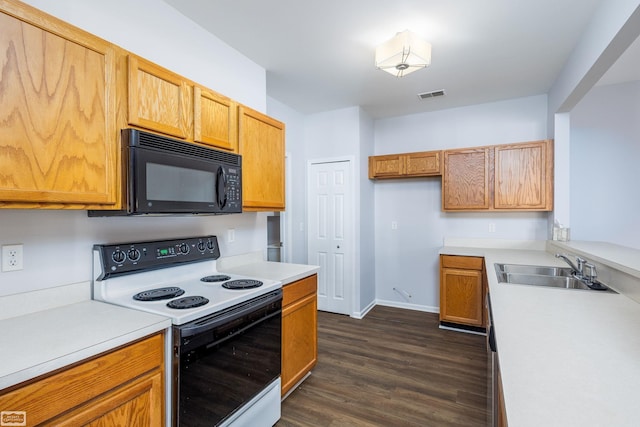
(553, 277)
(533, 269)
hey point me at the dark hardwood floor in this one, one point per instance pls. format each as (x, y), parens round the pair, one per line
(395, 367)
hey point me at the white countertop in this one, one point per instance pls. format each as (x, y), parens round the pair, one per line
(252, 265)
(37, 343)
(567, 357)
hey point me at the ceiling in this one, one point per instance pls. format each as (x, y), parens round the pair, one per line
(319, 54)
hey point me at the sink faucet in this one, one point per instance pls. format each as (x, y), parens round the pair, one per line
(577, 269)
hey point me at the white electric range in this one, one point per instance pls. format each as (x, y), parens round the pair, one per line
(224, 349)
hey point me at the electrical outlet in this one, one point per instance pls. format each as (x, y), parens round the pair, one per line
(231, 235)
(492, 227)
(394, 225)
(12, 257)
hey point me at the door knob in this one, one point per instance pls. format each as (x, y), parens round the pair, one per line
(338, 246)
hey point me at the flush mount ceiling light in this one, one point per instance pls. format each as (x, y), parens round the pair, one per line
(403, 54)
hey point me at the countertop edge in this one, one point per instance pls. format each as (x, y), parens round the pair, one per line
(141, 327)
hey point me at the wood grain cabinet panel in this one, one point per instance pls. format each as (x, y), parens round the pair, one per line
(465, 182)
(261, 144)
(386, 166)
(58, 136)
(462, 291)
(523, 176)
(215, 120)
(426, 163)
(405, 165)
(299, 331)
(159, 100)
(121, 387)
(507, 177)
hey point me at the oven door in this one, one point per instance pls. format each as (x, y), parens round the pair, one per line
(223, 361)
(171, 176)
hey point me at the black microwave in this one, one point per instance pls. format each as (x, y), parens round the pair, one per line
(169, 176)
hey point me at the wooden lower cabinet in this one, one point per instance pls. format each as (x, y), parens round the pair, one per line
(299, 331)
(462, 290)
(121, 387)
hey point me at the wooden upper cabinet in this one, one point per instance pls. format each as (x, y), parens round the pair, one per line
(386, 166)
(405, 165)
(465, 181)
(261, 144)
(425, 163)
(523, 176)
(159, 100)
(215, 120)
(499, 177)
(58, 136)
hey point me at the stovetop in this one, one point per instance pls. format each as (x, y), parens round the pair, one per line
(160, 265)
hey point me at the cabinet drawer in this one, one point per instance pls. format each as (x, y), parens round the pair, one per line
(50, 396)
(464, 262)
(299, 289)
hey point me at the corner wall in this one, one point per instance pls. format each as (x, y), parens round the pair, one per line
(406, 258)
(605, 199)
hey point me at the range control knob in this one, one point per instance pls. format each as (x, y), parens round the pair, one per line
(210, 245)
(183, 248)
(133, 254)
(201, 246)
(118, 256)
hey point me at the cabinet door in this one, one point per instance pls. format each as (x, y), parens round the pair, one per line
(58, 136)
(465, 182)
(523, 176)
(159, 100)
(461, 291)
(387, 166)
(135, 404)
(299, 340)
(262, 149)
(84, 385)
(422, 164)
(215, 120)
(299, 330)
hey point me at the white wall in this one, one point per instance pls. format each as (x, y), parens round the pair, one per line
(367, 215)
(605, 150)
(57, 244)
(407, 258)
(297, 204)
(348, 133)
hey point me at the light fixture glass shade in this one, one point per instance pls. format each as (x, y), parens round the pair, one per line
(403, 54)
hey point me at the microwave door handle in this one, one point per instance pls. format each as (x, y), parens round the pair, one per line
(221, 187)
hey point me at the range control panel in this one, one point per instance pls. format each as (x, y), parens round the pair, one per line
(125, 258)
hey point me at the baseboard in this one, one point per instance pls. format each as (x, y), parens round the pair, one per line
(362, 313)
(408, 306)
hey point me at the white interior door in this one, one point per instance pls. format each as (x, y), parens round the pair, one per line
(331, 233)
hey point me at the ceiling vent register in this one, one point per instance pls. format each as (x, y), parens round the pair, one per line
(435, 93)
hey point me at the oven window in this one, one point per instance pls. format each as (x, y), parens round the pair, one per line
(173, 183)
(216, 380)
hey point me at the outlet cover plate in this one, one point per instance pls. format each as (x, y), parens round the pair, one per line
(12, 257)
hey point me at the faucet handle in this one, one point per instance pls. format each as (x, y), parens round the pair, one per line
(591, 274)
(581, 264)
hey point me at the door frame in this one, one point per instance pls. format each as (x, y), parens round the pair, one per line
(355, 211)
(286, 216)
